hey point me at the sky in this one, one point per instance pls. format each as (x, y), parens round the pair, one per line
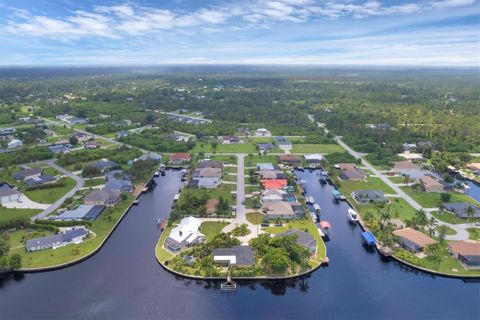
(270, 32)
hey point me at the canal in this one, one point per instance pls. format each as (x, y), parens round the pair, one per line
(124, 281)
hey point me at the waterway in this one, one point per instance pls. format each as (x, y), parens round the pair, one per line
(124, 281)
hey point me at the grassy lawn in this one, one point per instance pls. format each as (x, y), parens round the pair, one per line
(432, 199)
(398, 208)
(94, 182)
(258, 139)
(101, 227)
(372, 183)
(474, 233)
(224, 190)
(162, 254)
(253, 160)
(50, 195)
(255, 218)
(451, 218)
(8, 214)
(224, 158)
(397, 179)
(304, 225)
(228, 177)
(447, 263)
(206, 147)
(230, 169)
(251, 189)
(211, 228)
(316, 148)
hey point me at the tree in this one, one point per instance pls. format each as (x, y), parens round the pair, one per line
(73, 140)
(150, 119)
(15, 262)
(4, 248)
(445, 197)
(384, 218)
(442, 232)
(275, 260)
(432, 225)
(470, 211)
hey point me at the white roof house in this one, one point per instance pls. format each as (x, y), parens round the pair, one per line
(265, 166)
(313, 157)
(15, 143)
(273, 195)
(186, 233)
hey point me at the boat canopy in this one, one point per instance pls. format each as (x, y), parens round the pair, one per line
(369, 237)
(325, 225)
(335, 192)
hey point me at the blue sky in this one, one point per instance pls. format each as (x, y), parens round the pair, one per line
(294, 32)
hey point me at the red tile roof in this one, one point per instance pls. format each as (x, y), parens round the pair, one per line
(181, 156)
(274, 183)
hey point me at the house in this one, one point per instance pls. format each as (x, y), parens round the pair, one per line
(265, 147)
(412, 156)
(274, 183)
(48, 132)
(346, 166)
(14, 144)
(278, 210)
(404, 167)
(78, 121)
(208, 173)
(367, 196)
(74, 235)
(91, 145)
(81, 212)
(238, 256)
(284, 144)
(298, 210)
(102, 197)
(265, 166)
(7, 131)
(212, 205)
(81, 137)
(280, 139)
(64, 117)
(210, 164)
(313, 158)
(119, 184)
(28, 173)
(412, 239)
(467, 252)
(185, 235)
(474, 167)
(179, 158)
(243, 131)
(122, 134)
(60, 148)
(429, 184)
(104, 165)
(9, 194)
(40, 180)
(230, 139)
(262, 132)
(409, 146)
(353, 175)
(271, 195)
(290, 159)
(268, 174)
(460, 209)
(303, 238)
(150, 156)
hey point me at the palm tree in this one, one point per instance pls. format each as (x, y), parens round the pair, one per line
(432, 225)
(470, 212)
(384, 217)
(421, 218)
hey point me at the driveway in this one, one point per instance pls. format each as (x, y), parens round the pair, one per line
(25, 204)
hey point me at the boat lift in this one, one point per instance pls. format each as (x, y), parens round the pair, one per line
(229, 285)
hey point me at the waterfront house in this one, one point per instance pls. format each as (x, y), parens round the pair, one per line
(303, 238)
(81, 212)
(237, 256)
(290, 159)
(122, 185)
(179, 158)
(405, 167)
(272, 195)
(150, 156)
(460, 209)
(278, 210)
(210, 164)
(265, 166)
(104, 165)
(43, 179)
(268, 174)
(74, 235)
(467, 252)
(14, 144)
(429, 184)
(29, 173)
(102, 197)
(353, 175)
(368, 196)
(412, 239)
(274, 183)
(60, 148)
(313, 158)
(185, 235)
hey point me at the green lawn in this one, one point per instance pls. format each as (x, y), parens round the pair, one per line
(258, 139)
(255, 218)
(206, 147)
(50, 195)
(162, 254)
(229, 177)
(451, 218)
(397, 179)
(8, 214)
(432, 199)
(398, 208)
(447, 263)
(251, 189)
(224, 190)
(101, 227)
(224, 158)
(372, 183)
(474, 233)
(211, 228)
(94, 182)
(316, 148)
(253, 160)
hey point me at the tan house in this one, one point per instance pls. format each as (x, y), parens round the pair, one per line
(102, 197)
(278, 210)
(412, 239)
(429, 184)
(467, 252)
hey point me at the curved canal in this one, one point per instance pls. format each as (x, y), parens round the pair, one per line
(124, 280)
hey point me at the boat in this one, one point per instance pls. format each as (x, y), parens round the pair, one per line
(135, 202)
(162, 223)
(156, 174)
(317, 208)
(336, 194)
(176, 197)
(325, 226)
(368, 238)
(352, 215)
(310, 200)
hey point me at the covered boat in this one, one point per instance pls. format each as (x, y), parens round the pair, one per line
(369, 238)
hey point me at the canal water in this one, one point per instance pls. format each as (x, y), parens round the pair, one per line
(124, 281)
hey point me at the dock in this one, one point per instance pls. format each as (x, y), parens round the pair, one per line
(229, 285)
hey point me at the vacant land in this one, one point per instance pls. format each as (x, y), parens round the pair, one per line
(211, 228)
(432, 199)
(397, 208)
(51, 194)
(9, 214)
(316, 148)
(255, 218)
(372, 183)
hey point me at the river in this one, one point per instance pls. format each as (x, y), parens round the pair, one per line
(124, 281)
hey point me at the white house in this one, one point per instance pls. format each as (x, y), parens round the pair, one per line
(273, 195)
(186, 234)
(313, 157)
(14, 144)
(262, 132)
(8, 195)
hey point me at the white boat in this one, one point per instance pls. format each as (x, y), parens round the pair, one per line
(352, 215)
(310, 200)
(156, 174)
(316, 207)
(176, 197)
